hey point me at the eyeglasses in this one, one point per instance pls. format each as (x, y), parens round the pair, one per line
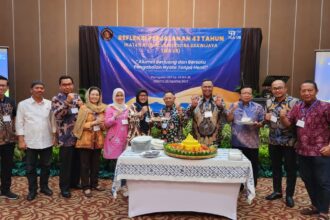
(277, 88)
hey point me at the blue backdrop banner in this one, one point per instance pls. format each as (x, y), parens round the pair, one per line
(169, 59)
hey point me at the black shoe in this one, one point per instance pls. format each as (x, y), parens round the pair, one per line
(273, 196)
(66, 194)
(10, 195)
(31, 196)
(46, 191)
(289, 201)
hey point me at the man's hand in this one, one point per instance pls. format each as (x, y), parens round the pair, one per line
(80, 103)
(257, 124)
(70, 98)
(283, 113)
(268, 116)
(234, 107)
(55, 142)
(218, 100)
(194, 101)
(325, 151)
(21, 144)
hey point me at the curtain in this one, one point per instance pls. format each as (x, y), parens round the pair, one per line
(89, 59)
(250, 57)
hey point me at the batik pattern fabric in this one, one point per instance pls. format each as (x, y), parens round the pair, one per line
(7, 126)
(171, 127)
(246, 135)
(207, 130)
(278, 133)
(134, 119)
(315, 133)
(65, 118)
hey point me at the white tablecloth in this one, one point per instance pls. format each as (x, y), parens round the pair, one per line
(132, 166)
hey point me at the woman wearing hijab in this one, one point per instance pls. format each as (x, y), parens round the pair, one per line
(116, 121)
(139, 116)
(89, 129)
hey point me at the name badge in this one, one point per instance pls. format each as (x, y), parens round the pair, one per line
(164, 125)
(273, 119)
(124, 121)
(208, 114)
(300, 123)
(74, 110)
(6, 118)
(96, 128)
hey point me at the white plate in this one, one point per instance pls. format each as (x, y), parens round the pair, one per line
(245, 122)
(150, 154)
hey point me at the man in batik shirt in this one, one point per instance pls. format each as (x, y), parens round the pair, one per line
(65, 107)
(246, 118)
(171, 117)
(207, 113)
(7, 139)
(311, 118)
(281, 143)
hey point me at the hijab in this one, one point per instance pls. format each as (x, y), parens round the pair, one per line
(138, 103)
(144, 126)
(99, 107)
(116, 105)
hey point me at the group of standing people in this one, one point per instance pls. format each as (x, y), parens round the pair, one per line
(298, 129)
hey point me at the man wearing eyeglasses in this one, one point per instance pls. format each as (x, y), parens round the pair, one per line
(7, 139)
(281, 142)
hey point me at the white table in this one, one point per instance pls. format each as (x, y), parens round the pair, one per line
(166, 184)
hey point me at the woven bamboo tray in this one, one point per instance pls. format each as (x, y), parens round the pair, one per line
(190, 157)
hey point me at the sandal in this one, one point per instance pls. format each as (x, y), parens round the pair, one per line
(99, 188)
(87, 193)
(309, 211)
(323, 216)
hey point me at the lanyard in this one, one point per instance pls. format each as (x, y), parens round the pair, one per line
(305, 112)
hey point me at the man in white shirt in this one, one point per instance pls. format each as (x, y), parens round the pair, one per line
(36, 131)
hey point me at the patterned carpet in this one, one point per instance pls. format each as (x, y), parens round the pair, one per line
(103, 206)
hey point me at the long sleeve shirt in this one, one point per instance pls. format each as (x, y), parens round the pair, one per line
(66, 116)
(36, 123)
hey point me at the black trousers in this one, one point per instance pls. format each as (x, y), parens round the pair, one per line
(45, 158)
(69, 167)
(253, 155)
(287, 155)
(6, 155)
(90, 165)
(315, 172)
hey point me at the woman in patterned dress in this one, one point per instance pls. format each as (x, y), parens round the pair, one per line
(139, 116)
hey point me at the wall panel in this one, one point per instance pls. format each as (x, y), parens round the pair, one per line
(130, 12)
(78, 12)
(206, 15)
(52, 43)
(231, 13)
(155, 13)
(27, 54)
(104, 12)
(307, 40)
(281, 38)
(181, 13)
(6, 39)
